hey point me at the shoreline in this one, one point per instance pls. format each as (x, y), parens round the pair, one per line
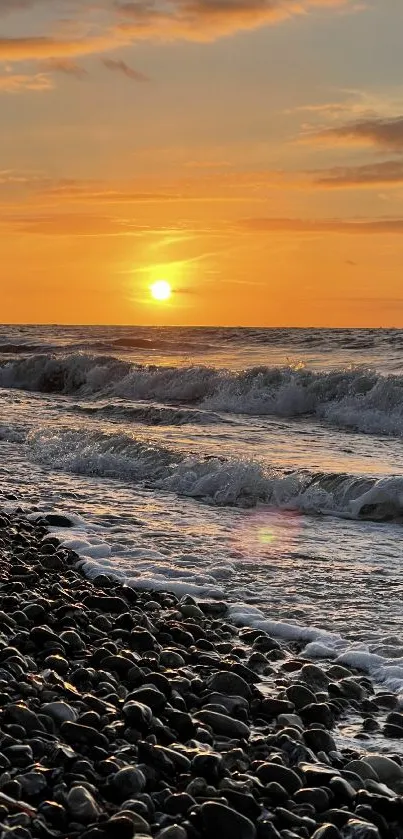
(149, 714)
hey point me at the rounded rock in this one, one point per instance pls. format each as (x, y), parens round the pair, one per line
(128, 781)
(223, 724)
(59, 711)
(219, 820)
(82, 805)
(173, 831)
(231, 684)
(385, 768)
(283, 775)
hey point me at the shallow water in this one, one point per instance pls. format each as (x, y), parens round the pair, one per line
(263, 466)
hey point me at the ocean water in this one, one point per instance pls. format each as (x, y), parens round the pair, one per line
(259, 466)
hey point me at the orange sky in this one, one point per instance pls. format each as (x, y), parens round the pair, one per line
(251, 153)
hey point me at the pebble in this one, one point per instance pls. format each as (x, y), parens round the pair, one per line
(231, 684)
(384, 767)
(60, 711)
(219, 820)
(82, 805)
(357, 829)
(222, 724)
(173, 831)
(327, 831)
(128, 781)
(281, 774)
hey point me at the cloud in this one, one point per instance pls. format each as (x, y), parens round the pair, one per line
(18, 83)
(122, 67)
(220, 187)
(207, 20)
(44, 47)
(19, 178)
(381, 132)
(73, 224)
(298, 225)
(122, 23)
(8, 6)
(66, 66)
(371, 175)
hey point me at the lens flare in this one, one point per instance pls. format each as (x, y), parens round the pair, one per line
(267, 533)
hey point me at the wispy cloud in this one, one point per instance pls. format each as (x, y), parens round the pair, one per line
(47, 47)
(73, 224)
(20, 82)
(124, 69)
(386, 173)
(206, 20)
(122, 23)
(381, 132)
(65, 66)
(299, 225)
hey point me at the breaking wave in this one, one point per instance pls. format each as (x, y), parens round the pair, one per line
(357, 399)
(216, 480)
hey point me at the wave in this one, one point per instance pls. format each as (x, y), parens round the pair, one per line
(11, 434)
(174, 345)
(218, 481)
(357, 399)
(154, 415)
(20, 349)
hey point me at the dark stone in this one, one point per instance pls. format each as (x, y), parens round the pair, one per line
(317, 796)
(54, 520)
(105, 603)
(319, 740)
(80, 735)
(243, 803)
(178, 804)
(318, 775)
(327, 831)
(272, 707)
(57, 663)
(288, 779)
(393, 731)
(127, 782)
(231, 684)
(22, 715)
(142, 640)
(137, 715)
(224, 724)
(317, 712)
(276, 793)
(148, 695)
(117, 664)
(54, 813)
(219, 820)
(343, 792)
(266, 830)
(357, 829)
(208, 766)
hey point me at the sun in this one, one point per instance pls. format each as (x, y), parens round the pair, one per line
(161, 290)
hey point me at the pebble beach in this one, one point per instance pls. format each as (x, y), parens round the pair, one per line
(143, 714)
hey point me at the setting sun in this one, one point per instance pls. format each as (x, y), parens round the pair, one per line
(161, 290)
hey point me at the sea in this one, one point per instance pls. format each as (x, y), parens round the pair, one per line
(263, 467)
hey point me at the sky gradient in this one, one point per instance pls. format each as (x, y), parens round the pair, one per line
(249, 152)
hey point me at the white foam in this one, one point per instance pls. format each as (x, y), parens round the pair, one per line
(230, 482)
(354, 398)
(383, 662)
